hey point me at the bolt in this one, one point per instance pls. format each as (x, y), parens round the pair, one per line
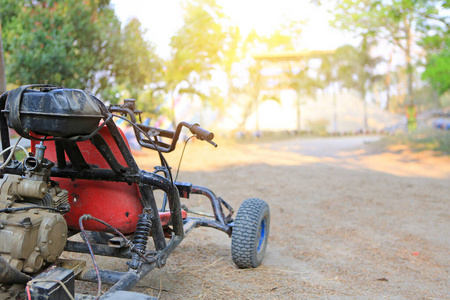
(26, 222)
(163, 262)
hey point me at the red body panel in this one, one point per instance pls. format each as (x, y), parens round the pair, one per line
(116, 203)
(165, 217)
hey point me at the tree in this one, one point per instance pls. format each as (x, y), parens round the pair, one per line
(297, 75)
(357, 69)
(393, 20)
(329, 78)
(66, 43)
(437, 45)
(437, 70)
(196, 47)
(302, 82)
(196, 50)
(137, 64)
(76, 44)
(2, 65)
(249, 95)
(231, 54)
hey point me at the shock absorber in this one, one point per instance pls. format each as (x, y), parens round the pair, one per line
(143, 229)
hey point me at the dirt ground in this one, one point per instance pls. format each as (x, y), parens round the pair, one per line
(347, 220)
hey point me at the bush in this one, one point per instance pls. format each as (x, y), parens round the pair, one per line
(318, 126)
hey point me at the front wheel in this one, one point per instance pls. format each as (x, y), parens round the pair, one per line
(250, 233)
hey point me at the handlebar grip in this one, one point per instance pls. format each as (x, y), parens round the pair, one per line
(201, 133)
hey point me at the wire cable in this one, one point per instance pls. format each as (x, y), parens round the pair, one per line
(19, 146)
(6, 162)
(181, 157)
(14, 209)
(28, 293)
(91, 252)
(127, 241)
(161, 156)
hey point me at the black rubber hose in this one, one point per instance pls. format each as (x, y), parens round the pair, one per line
(9, 274)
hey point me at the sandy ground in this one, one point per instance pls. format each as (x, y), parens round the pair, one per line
(347, 221)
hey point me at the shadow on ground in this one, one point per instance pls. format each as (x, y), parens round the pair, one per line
(339, 227)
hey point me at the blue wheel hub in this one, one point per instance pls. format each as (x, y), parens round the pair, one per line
(261, 235)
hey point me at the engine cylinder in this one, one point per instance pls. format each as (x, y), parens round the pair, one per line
(31, 189)
(29, 235)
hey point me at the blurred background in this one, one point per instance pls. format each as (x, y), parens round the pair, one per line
(243, 68)
(336, 112)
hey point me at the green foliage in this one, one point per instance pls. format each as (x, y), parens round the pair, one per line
(438, 58)
(284, 38)
(249, 94)
(427, 98)
(297, 74)
(328, 69)
(398, 21)
(61, 42)
(77, 44)
(421, 140)
(137, 64)
(356, 67)
(318, 126)
(149, 103)
(390, 19)
(301, 81)
(280, 40)
(2, 65)
(231, 52)
(196, 47)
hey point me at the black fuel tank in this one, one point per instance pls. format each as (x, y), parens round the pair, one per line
(56, 112)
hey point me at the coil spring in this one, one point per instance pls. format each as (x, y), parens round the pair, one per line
(143, 228)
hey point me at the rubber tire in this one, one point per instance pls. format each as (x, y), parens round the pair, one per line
(96, 237)
(247, 245)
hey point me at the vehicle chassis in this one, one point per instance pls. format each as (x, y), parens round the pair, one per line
(78, 168)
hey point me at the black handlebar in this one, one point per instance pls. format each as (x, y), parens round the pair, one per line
(157, 144)
(201, 133)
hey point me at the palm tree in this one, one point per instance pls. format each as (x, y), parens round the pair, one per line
(303, 84)
(328, 73)
(357, 69)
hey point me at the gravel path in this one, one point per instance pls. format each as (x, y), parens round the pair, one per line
(346, 221)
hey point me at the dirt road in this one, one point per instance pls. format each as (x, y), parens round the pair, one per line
(346, 221)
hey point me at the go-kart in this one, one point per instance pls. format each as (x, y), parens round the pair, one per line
(80, 177)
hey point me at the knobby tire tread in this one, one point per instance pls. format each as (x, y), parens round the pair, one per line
(245, 232)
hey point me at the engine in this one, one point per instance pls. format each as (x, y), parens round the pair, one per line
(33, 231)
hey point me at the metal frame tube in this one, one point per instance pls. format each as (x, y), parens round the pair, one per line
(215, 203)
(103, 250)
(146, 181)
(107, 276)
(4, 127)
